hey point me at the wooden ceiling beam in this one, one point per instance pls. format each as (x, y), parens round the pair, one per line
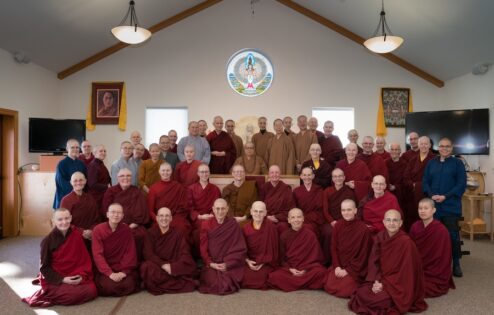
(153, 29)
(360, 40)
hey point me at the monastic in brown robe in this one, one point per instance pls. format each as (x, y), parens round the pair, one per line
(332, 149)
(260, 141)
(186, 173)
(240, 199)
(280, 151)
(301, 143)
(98, 180)
(279, 201)
(149, 173)
(359, 173)
(253, 166)
(239, 144)
(221, 142)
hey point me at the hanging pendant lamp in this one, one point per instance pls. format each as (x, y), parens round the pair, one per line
(385, 42)
(132, 33)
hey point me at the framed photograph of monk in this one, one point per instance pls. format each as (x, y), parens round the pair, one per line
(395, 103)
(106, 100)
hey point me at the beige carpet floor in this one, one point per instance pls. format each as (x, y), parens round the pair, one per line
(19, 258)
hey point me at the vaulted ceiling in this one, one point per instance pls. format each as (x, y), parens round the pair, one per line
(446, 38)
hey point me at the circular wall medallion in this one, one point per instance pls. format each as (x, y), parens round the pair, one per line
(249, 72)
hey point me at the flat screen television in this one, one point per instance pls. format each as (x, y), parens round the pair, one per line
(468, 129)
(48, 135)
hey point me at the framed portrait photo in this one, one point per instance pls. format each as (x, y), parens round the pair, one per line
(106, 102)
(396, 102)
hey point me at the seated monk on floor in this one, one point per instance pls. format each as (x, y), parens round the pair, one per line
(278, 199)
(434, 245)
(379, 201)
(350, 247)
(66, 275)
(114, 254)
(168, 266)
(261, 237)
(395, 279)
(301, 258)
(223, 252)
(308, 198)
(239, 195)
(252, 163)
(186, 171)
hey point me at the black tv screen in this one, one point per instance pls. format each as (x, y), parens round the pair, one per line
(468, 129)
(48, 135)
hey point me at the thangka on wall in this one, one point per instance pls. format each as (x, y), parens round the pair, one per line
(395, 102)
(249, 72)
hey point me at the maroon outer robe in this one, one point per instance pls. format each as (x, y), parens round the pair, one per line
(221, 142)
(63, 256)
(350, 249)
(146, 155)
(222, 243)
(412, 180)
(396, 172)
(173, 149)
(115, 252)
(86, 162)
(98, 180)
(84, 211)
(300, 250)
(186, 173)
(279, 201)
(395, 262)
(376, 165)
(434, 246)
(332, 149)
(359, 173)
(384, 155)
(409, 154)
(310, 202)
(263, 248)
(172, 195)
(372, 210)
(322, 174)
(168, 248)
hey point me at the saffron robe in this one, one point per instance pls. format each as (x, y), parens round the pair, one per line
(221, 142)
(279, 201)
(84, 210)
(350, 249)
(172, 195)
(240, 199)
(115, 252)
(167, 248)
(359, 173)
(376, 165)
(301, 143)
(239, 144)
(322, 173)
(149, 172)
(222, 243)
(252, 166)
(260, 141)
(300, 250)
(65, 169)
(332, 150)
(280, 151)
(186, 173)
(63, 256)
(85, 160)
(434, 246)
(263, 248)
(372, 210)
(310, 202)
(396, 171)
(395, 262)
(98, 180)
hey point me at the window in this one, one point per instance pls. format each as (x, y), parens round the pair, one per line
(342, 117)
(161, 120)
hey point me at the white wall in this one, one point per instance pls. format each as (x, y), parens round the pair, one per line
(32, 91)
(184, 65)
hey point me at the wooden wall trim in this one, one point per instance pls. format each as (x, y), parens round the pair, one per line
(360, 40)
(153, 29)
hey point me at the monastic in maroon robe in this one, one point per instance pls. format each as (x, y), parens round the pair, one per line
(376, 164)
(263, 248)
(115, 252)
(63, 256)
(395, 262)
(146, 155)
(222, 243)
(384, 155)
(85, 160)
(322, 173)
(332, 150)
(409, 154)
(98, 180)
(186, 173)
(300, 250)
(173, 149)
(167, 248)
(412, 180)
(434, 245)
(310, 202)
(279, 201)
(359, 173)
(221, 142)
(396, 171)
(372, 210)
(350, 249)
(85, 213)
(172, 195)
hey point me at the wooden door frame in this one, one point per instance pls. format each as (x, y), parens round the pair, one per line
(10, 165)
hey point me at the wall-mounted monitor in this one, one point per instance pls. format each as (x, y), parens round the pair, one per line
(48, 135)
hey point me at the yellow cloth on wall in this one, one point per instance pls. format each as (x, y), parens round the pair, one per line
(381, 129)
(122, 119)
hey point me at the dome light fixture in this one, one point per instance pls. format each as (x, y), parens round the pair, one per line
(386, 42)
(132, 33)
